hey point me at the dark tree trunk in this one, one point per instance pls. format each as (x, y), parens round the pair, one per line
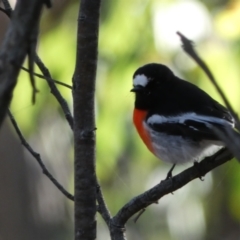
(84, 120)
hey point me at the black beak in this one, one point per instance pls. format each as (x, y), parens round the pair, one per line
(137, 89)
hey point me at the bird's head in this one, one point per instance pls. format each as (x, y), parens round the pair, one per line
(148, 81)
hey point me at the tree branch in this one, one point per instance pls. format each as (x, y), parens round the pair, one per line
(31, 53)
(46, 73)
(8, 8)
(102, 207)
(84, 120)
(49, 79)
(55, 91)
(38, 158)
(188, 48)
(15, 48)
(165, 187)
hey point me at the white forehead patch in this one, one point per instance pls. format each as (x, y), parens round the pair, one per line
(140, 80)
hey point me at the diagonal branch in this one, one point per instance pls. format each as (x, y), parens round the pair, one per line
(189, 49)
(165, 187)
(38, 158)
(31, 53)
(5, 11)
(49, 79)
(7, 6)
(55, 91)
(102, 207)
(15, 48)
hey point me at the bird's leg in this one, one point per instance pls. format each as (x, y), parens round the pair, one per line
(196, 165)
(169, 174)
(139, 214)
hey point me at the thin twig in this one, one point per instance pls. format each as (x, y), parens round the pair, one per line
(4, 11)
(55, 91)
(38, 158)
(7, 6)
(189, 49)
(48, 3)
(102, 207)
(31, 55)
(49, 79)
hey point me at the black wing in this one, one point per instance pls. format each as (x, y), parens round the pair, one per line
(179, 97)
(189, 129)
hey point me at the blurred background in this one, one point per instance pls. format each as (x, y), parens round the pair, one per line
(132, 33)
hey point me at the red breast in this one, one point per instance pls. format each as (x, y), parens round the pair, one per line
(138, 119)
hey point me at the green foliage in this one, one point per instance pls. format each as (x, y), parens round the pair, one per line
(125, 168)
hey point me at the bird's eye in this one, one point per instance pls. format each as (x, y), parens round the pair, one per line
(147, 92)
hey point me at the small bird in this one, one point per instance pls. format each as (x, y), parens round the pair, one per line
(174, 118)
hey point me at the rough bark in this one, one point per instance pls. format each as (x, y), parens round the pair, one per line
(15, 47)
(84, 120)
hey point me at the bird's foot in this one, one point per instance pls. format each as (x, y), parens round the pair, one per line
(169, 174)
(196, 165)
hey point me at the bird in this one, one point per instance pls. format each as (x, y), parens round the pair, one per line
(174, 118)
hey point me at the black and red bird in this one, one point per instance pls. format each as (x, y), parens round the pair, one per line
(174, 118)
